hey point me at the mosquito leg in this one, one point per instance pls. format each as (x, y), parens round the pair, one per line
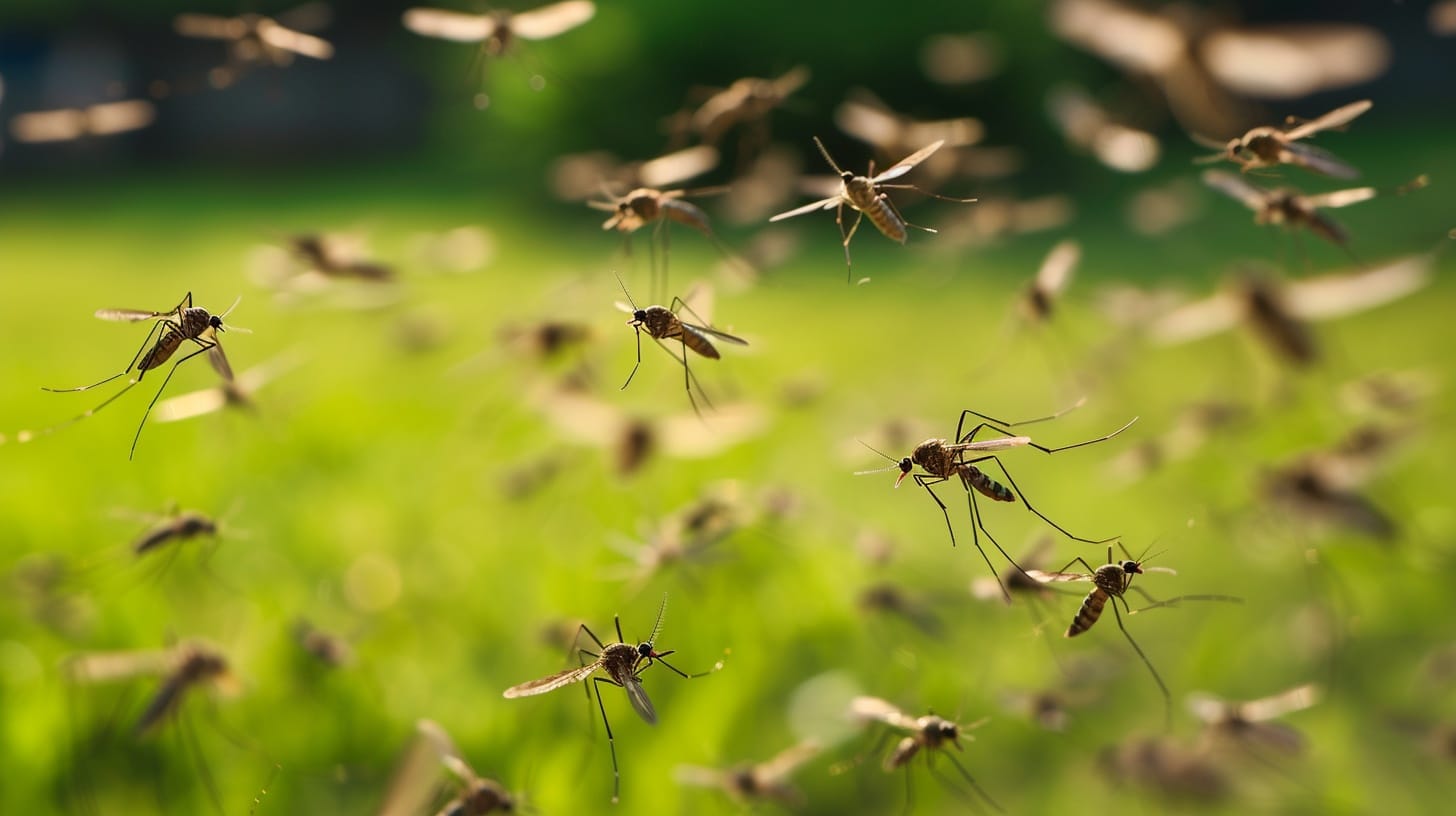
(925, 482)
(689, 376)
(1091, 570)
(849, 236)
(638, 364)
(611, 741)
(146, 344)
(975, 540)
(1167, 696)
(966, 775)
(203, 345)
(925, 193)
(194, 745)
(993, 421)
(1156, 604)
(1012, 483)
(909, 793)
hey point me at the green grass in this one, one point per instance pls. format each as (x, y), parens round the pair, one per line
(368, 501)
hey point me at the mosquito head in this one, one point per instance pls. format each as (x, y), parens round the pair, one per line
(846, 176)
(215, 322)
(1132, 567)
(905, 465)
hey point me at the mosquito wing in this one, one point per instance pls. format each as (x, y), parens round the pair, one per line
(1291, 61)
(48, 126)
(1320, 161)
(906, 164)
(417, 779)
(299, 43)
(449, 25)
(1236, 188)
(548, 21)
(1332, 296)
(446, 752)
(131, 315)
(873, 708)
(1056, 271)
(219, 360)
(1277, 705)
(783, 765)
(638, 696)
(689, 436)
(707, 333)
(110, 118)
(1199, 319)
(678, 166)
(1057, 577)
(1004, 443)
(564, 678)
(1341, 198)
(187, 406)
(101, 667)
(822, 204)
(1131, 38)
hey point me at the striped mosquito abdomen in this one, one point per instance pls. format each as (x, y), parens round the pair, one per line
(985, 485)
(861, 194)
(170, 341)
(1091, 610)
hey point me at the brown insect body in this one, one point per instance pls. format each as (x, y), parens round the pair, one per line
(861, 193)
(661, 324)
(186, 525)
(1108, 581)
(481, 796)
(197, 666)
(645, 205)
(937, 458)
(190, 325)
(1271, 318)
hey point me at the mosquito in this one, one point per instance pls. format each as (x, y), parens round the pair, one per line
(416, 782)
(70, 124)
(622, 664)
(867, 197)
(182, 668)
(648, 205)
(336, 256)
(662, 323)
(1168, 767)
(747, 101)
(1091, 129)
(750, 782)
(1286, 206)
(1269, 146)
(176, 525)
(257, 40)
(942, 460)
(1112, 581)
(1051, 280)
(330, 650)
(497, 30)
(172, 328)
(1247, 723)
(929, 733)
(1313, 493)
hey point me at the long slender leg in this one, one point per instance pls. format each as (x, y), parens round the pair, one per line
(909, 793)
(1012, 483)
(975, 539)
(1080, 560)
(925, 482)
(993, 421)
(1156, 604)
(203, 345)
(638, 364)
(146, 344)
(1163, 687)
(194, 746)
(611, 741)
(693, 378)
(966, 775)
(849, 236)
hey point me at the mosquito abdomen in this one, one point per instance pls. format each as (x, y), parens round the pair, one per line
(685, 213)
(1089, 613)
(700, 344)
(986, 486)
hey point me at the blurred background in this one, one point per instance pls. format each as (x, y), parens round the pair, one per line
(439, 472)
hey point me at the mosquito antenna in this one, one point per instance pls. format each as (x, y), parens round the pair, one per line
(895, 464)
(825, 153)
(236, 301)
(625, 292)
(657, 626)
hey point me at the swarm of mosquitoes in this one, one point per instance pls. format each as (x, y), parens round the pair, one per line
(1205, 72)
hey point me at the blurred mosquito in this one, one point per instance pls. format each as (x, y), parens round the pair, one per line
(238, 393)
(1091, 129)
(417, 781)
(886, 598)
(182, 668)
(867, 118)
(1247, 724)
(331, 650)
(1111, 582)
(1285, 206)
(497, 30)
(1314, 494)
(336, 256)
(662, 323)
(751, 782)
(867, 197)
(176, 525)
(579, 176)
(172, 328)
(929, 733)
(646, 205)
(942, 461)
(1167, 767)
(70, 124)
(255, 40)
(1272, 146)
(747, 102)
(1276, 311)
(633, 441)
(1051, 280)
(622, 664)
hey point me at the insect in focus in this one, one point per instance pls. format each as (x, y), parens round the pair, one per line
(417, 781)
(662, 323)
(1247, 725)
(1285, 206)
(255, 40)
(1111, 582)
(172, 328)
(867, 197)
(942, 460)
(69, 124)
(1269, 146)
(622, 665)
(750, 782)
(929, 733)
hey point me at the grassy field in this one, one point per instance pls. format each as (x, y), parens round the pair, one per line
(367, 497)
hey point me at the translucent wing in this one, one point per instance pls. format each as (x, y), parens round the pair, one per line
(1277, 705)
(784, 764)
(581, 418)
(417, 779)
(906, 164)
(1332, 296)
(187, 406)
(1131, 38)
(1058, 577)
(119, 117)
(100, 667)
(1291, 61)
(1003, 443)
(449, 25)
(219, 361)
(564, 678)
(678, 166)
(1056, 271)
(548, 21)
(1341, 198)
(1339, 117)
(1192, 321)
(822, 204)
(638, 696)
(1320, 161)
(48, 126)
(1236, 188)
(289, 40)
(873, 708)
(689, 436)
(707, 333)
(131, 315)
(209, 27)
